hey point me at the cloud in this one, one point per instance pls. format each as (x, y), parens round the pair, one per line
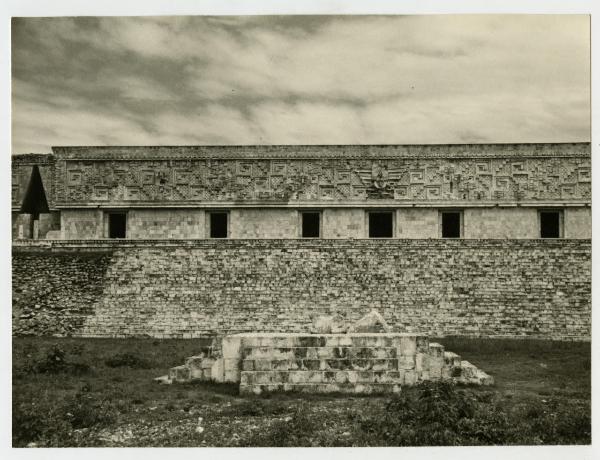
(299, 79)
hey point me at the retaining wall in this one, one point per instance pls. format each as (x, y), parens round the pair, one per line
(161, 288)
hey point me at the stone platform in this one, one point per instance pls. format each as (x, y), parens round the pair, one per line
(324, 363)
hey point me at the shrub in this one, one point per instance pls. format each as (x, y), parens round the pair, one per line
(429, 414)
(55, 362)
(127, 360)
(52, 424)
(83, 411)
(31, 422)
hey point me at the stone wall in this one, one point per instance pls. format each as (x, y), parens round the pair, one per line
(578, 223)
(268, 223)
(81, 224)
(53, 294)
(166, 223)
(498, 288)
(264, 223)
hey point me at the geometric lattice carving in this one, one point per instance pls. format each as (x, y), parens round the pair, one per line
(287, 180)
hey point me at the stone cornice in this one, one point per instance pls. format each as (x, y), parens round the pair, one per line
(324, 152)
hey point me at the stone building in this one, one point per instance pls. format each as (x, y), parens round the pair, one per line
(476, 240)
(492, 191)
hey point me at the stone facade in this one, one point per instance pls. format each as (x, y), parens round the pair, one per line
(146, 215)
(489, 288)
(165, 190)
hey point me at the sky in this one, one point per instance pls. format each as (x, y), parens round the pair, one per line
(194, 80)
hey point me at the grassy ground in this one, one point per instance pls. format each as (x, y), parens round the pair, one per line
(87, 392)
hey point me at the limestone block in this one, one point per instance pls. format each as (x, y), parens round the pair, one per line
(382, 365)
(246, 378)
(311, 353)
(364, 388)
(366, 377)
(361, 364)
(325, 352)
(315, 377)
(422, 344)
(247, 365)
(421, 362)
(287, 341)
(297, 377)
(352, 376)
(342, 377)
(436, 350)
(406, 362)
(282, 364)
(262, 365)
(410, 377)
(312, 364)
(195, 366)
(435, 373)
(232, 376)
(262, 377)
(408, 346)
(232, 347)
(217, 371)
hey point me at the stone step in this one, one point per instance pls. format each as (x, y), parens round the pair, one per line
(200, 367)
(332, 340)
(323, 377)
(359, 388)
(319, 352)
(322, 364)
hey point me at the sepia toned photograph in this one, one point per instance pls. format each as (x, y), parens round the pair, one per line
(301, 230)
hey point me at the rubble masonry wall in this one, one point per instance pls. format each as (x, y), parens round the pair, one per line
(491, 288)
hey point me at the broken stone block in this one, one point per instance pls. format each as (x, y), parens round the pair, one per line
(371, 322)
(163, 379)
(180, 374)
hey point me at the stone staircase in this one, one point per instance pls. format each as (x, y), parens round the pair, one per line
(350, 363)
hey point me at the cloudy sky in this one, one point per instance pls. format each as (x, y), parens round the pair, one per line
(299, 80)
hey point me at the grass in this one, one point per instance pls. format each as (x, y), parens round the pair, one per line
(100, 392)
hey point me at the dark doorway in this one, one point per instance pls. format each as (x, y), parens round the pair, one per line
(550, 224)
(381, 225)
(117, 225)
(451, 224)
(218, 225)
(34, 201)
(310, 224)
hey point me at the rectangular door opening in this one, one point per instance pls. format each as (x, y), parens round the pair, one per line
(381, 225)
(311, 225)
(117, 225)
(550, 224)
(218, 225)
(451, 224)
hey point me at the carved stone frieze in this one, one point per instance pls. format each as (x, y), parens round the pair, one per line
(290, 180)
